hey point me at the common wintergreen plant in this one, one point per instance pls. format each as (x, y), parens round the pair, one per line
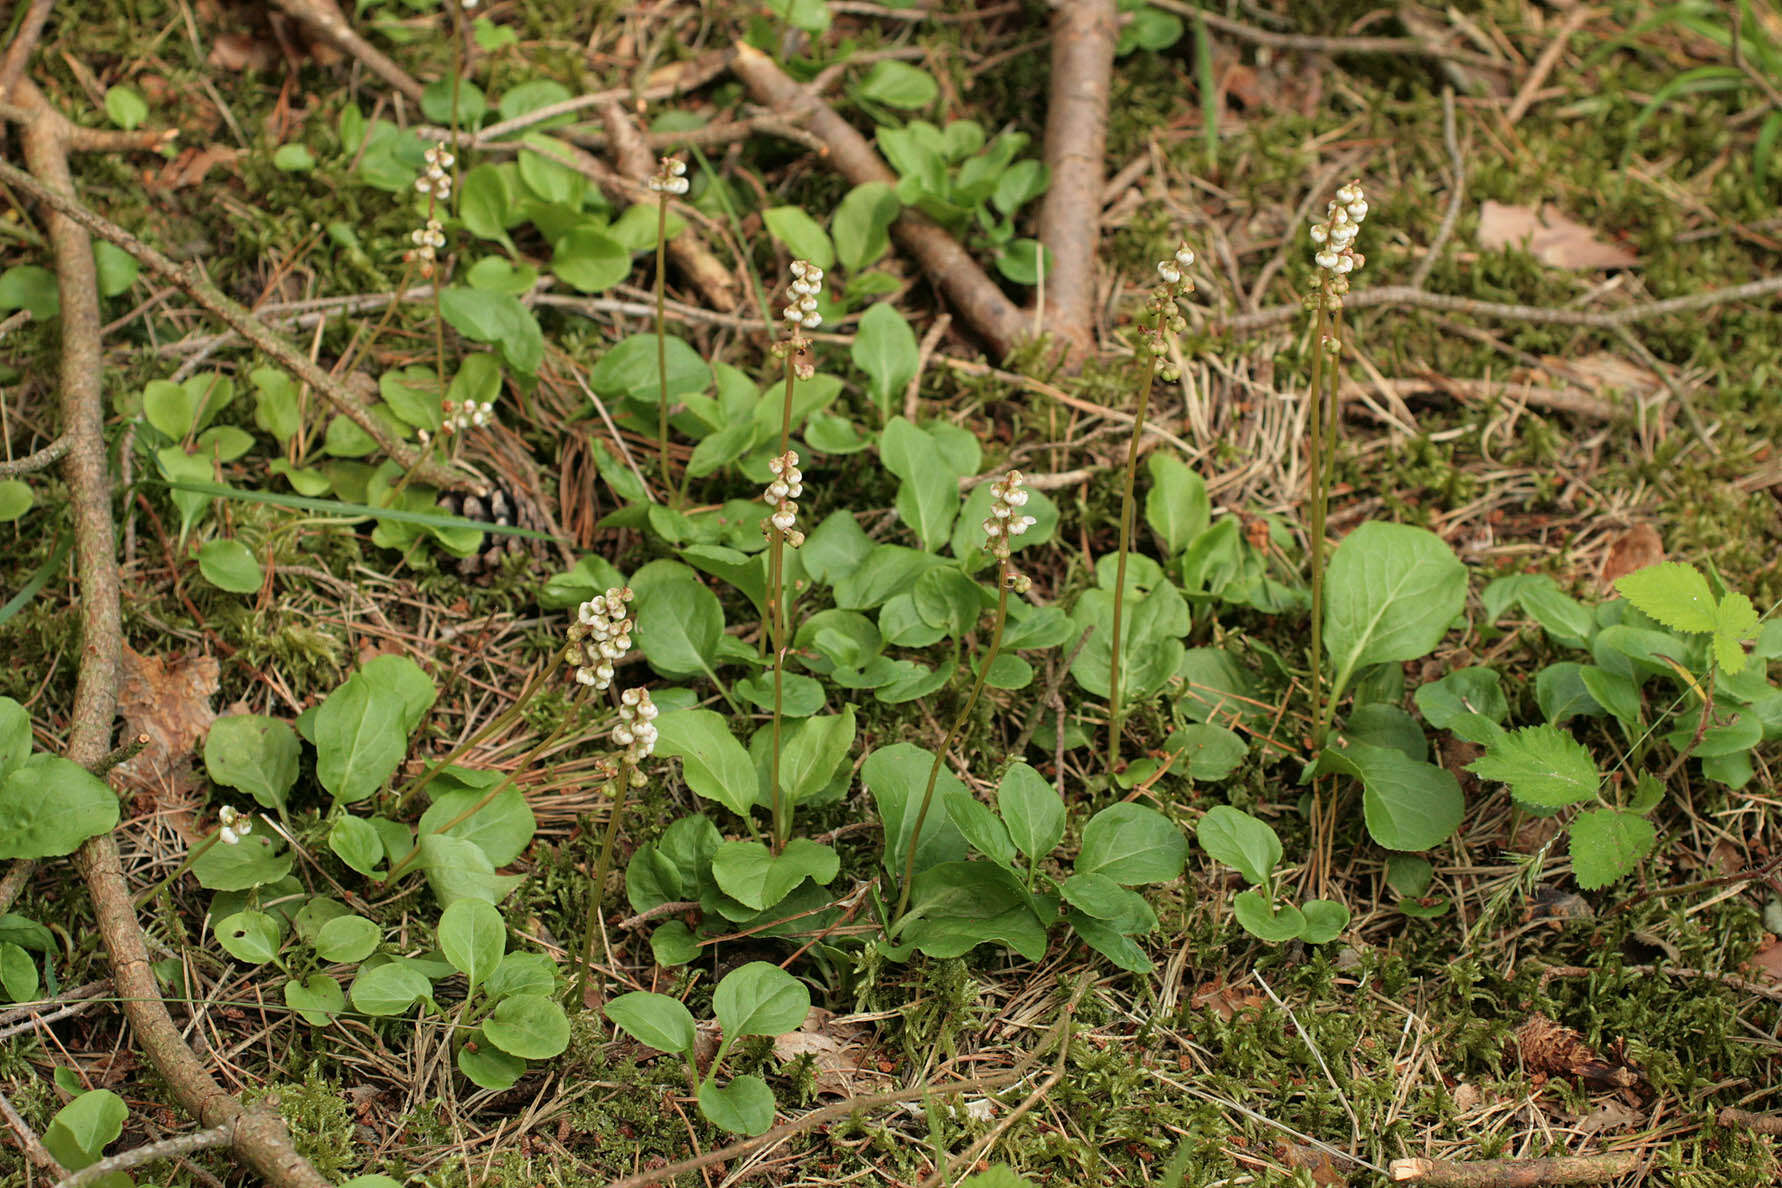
(753, 999)
(781, 525)
(1336, 258)
(1161, 319)
(670, 178)
(635, 736)
(1005, 522)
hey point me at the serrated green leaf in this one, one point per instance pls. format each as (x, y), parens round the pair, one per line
(1543, 765)
(1675, 594)
(1607, 844)
(1735, 620)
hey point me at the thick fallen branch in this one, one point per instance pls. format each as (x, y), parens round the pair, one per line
(260, 1139)
(1515, 1173)
(687, 250)
(190, 279)
(982, 305)
(1083, 36)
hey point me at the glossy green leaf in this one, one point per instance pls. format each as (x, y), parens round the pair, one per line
(254, 754)
(529, 1026)
(1245, 843)
(49, 806)
(251, 937)
(714, 764)
(654, 1020)
(1132, 845)
(317, 999)
(1391, 592)
(744, 1106)
(347, 939)
(473, 937)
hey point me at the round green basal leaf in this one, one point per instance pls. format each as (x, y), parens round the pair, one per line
(1132, 844)
(673, 944)
(15, 499)
(446, 101)
(293, 158)
(760, 998)
(529, 1026)
(473, 937)
(900, 85)
(254, 754)
(356, 842)
(590, 261)
(1208, 752)
(487, 1066)
(1324, 920)
(346, 939)
(252, 937)
(1252, 911)
(389, 989)
(230, 565)
(745, 1106)
(1245, 843)
(522, 973)
(117, 269)
(82, 1129)
(18, 973)
(49, 806)
(654, 1020)
(801, 235)
(126, 107)
(317, 999)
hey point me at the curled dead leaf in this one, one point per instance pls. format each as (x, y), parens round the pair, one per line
(169, 701)
(1634, 549)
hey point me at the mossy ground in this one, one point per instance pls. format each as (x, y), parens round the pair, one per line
(1398, 1040)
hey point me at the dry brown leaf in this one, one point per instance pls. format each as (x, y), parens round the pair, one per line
(169, 701)
(241, 51)
(841, 1053)
(1634, 549)
(1766, 963)
(1316, 1160)
(193, 165)
(1223, 1000)
(1550, 237)
(1612, 1114)
(1467, 1096)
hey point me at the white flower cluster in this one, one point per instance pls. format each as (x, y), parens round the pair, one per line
(472, 414)
(1005, 521)
(787, 486)
(427, 240)
(807, 282)
(670, 177)
(636, 731)
(235, 825)
(1172, 271)
(436, 180)
(600, 636)
(1334, 238)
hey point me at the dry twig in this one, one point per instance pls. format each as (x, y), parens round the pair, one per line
(261, 1140)
(1083, 36)
(980, 302)
(325, 18)
(1515, 1173)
